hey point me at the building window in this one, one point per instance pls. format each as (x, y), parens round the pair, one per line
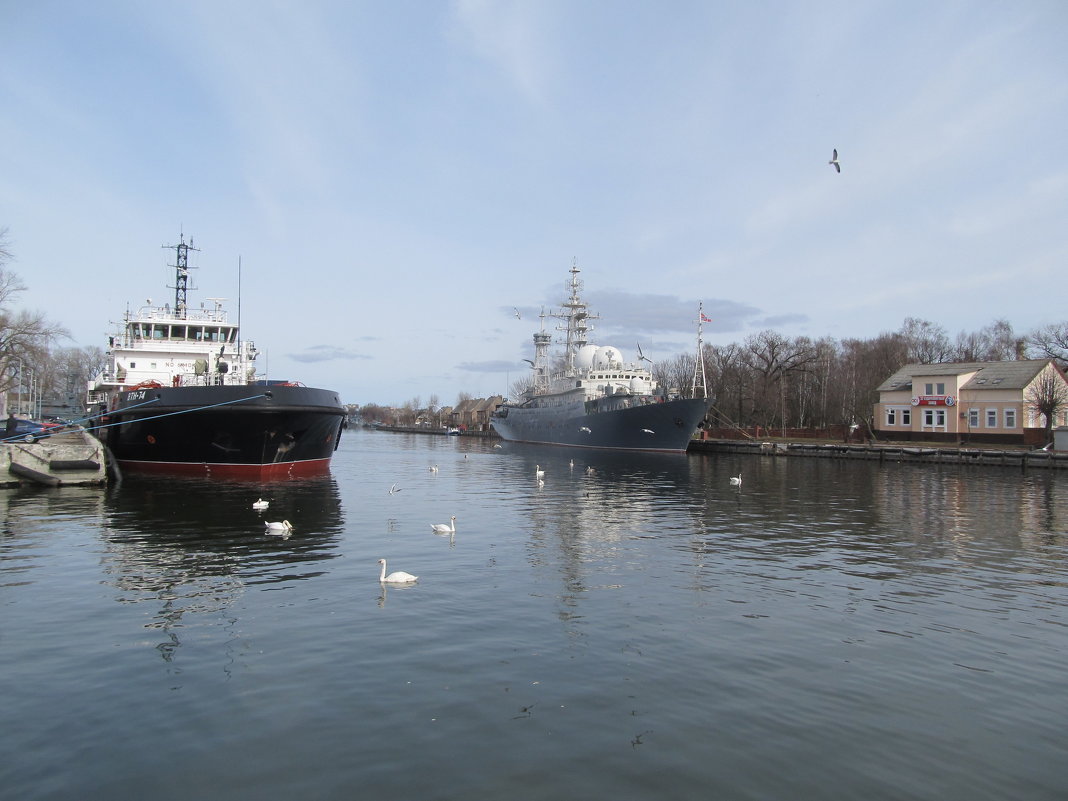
(973, 418)
(934, 418)
(935, 389)
(991, 418)
(1010, 418)
(906, 416)
(891, 417)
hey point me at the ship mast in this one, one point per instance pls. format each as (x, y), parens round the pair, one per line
(181, 280)
(577, 315)
(699, 380)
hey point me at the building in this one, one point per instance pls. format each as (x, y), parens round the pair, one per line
(978, 402)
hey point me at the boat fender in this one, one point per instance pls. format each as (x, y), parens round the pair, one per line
(33, 475)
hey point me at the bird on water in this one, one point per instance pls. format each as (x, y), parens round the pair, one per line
(399, 577)
(736, 481)
(442, 528)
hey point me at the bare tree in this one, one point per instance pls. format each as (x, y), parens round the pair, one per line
(1048, 394)
(1051, 341)
(25, 336)
(927, 342)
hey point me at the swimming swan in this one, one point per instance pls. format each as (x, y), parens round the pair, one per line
(260, 505)
(538, 472)
(400, 577)
(285, 525)
(736, 481)
(441, 528)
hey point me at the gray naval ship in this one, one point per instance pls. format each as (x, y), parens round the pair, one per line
(593, 399)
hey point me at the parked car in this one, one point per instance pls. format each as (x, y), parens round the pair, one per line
(28, 430)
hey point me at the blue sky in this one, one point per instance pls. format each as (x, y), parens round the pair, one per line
(395, 177)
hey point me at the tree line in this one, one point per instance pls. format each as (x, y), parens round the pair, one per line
(774, 381)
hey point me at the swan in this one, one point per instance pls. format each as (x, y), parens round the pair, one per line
(571, 464)
(736, 481)
(399, 577)
(433, 468)
(260, 505)
(590, 471)
(538, 472)
(441, 528)
(285, 525)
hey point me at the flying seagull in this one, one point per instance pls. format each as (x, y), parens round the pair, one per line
(834, 160)
(517, 315)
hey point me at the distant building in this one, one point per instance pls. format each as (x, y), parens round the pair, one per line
(978, 402)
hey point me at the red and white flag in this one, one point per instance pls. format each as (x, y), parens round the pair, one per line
(705, 319)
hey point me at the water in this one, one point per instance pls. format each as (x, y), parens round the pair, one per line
(828, 630)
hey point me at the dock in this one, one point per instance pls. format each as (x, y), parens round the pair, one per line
(71, 457)
(1023, 458)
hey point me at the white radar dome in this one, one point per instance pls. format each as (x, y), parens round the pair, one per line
(584, 357)
(607, 357)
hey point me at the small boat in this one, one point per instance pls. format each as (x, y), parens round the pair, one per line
(595, 399)
(179, 395)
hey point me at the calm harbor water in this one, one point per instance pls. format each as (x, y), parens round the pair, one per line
(827, 630)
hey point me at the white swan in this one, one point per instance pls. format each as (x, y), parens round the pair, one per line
(285, 525)
(260, 505)
(441, 528)
(571, 465)
(538, 472)
(399, 577)
(590, 471)
(433, 468)
(736, 481)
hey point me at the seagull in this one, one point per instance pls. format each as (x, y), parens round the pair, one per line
(260, 505)
(834, 160)
(394, 489)
(517, 315)
(585, 430)
(736, 481)
(648, 431)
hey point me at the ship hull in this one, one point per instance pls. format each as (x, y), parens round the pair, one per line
(626, 424)
(243, 432)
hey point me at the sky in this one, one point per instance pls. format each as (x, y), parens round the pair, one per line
(383, 183)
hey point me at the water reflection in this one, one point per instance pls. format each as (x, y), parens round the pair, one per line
(193, 546)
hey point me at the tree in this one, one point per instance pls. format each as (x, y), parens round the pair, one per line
(25, 336)
(1051, 341)
(1048, 394)
(927, 342)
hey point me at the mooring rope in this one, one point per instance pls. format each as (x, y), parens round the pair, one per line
(43, 432)
(171, 414)
(19, 437)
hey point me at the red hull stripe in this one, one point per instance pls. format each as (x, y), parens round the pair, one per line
(275, 470)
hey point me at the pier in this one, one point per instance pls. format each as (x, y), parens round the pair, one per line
(889, 452)
(69, 457)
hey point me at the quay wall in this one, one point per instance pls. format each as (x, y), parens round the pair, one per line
(918, 454)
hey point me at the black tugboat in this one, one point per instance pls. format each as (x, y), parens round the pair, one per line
(179, 395)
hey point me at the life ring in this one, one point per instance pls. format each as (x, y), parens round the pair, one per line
(150, 384)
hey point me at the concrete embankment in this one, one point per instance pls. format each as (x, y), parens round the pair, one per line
(919, 454)
(70, 457)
